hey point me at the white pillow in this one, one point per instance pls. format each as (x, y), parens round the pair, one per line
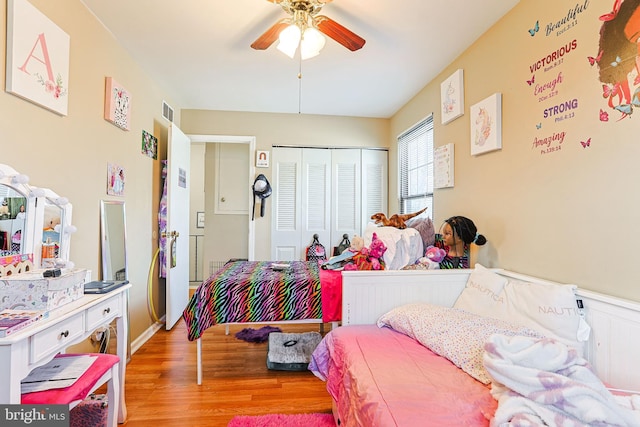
(548, 308)
(483, 294)
(451, 333)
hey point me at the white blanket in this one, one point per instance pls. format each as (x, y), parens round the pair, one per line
(542, 382)
(404, 247)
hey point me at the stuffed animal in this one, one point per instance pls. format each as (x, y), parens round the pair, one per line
(432, 257)
(435, 254)
(368, 258)
(395, 220)
(377, 247)
(357, 243)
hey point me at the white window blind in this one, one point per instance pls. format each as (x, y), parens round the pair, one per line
(415, 156)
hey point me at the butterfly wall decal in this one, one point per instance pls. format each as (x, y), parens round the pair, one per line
(612, 15)
(595, 60)
(532, 81)
(586, 143)
(539, 125)
(616, 62)
(609, 90)
(535, 29)
(604, 116)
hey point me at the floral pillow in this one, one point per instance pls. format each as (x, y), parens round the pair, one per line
(452, 333)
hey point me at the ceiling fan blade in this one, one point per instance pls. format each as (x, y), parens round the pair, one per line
(342, 35)
(271, 35)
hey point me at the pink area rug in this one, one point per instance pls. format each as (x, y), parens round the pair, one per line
(282, 420)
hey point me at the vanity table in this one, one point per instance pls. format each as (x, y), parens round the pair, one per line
(38, 343)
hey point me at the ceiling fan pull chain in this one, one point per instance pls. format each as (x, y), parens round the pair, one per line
(300, 84)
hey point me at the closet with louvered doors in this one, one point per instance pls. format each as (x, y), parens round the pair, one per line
(325, 191)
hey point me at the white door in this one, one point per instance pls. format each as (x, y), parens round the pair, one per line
(346, 194)
(177, 241)
(301, 207)
(285, 219)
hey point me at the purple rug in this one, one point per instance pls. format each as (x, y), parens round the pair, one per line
(283, 420)
(256, 335)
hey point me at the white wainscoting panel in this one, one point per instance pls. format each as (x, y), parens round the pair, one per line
(614, 345)
(366, 295)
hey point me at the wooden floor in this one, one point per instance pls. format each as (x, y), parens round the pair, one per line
(161, 389)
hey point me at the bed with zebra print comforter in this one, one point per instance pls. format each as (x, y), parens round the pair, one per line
(255, 291)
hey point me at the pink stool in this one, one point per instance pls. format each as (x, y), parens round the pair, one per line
(103, 370)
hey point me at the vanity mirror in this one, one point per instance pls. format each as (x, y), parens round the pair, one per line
(114, 241)
(53, 239)
(17, 210)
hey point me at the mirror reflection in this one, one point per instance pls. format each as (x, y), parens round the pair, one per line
(114, 239)
(52, 230)
(13, 215)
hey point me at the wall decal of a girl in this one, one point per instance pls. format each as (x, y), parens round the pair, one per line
(619, 57)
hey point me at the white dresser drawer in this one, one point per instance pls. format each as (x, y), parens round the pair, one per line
(104, 312)
(57, 337)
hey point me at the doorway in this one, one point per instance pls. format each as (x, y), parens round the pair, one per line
(199, 236)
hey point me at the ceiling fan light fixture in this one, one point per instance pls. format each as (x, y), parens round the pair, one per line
(312, 43)
(289, 40)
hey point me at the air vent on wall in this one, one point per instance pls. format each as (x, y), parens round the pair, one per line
(167, 111)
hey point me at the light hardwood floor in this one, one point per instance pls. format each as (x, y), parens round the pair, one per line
(161, 389)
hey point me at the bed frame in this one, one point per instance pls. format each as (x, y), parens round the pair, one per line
(226, 330)
(613, 348)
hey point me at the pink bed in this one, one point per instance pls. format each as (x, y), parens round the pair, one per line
(380, 377)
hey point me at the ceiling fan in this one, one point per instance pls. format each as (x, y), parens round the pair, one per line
(303, 27)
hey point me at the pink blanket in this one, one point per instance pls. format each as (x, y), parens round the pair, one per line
(379, 377)
(331, 284)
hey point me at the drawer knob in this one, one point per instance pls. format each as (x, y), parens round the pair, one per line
(64, 334)
(107, 310)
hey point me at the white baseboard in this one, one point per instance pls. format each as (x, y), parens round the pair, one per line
(146, 335)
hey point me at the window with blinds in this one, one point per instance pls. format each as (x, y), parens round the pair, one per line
(415, 157)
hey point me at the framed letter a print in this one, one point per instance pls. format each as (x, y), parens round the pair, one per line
(37, 57)
(452, 97)
(486, 125)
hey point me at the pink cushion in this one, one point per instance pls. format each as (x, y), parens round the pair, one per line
(80, 389)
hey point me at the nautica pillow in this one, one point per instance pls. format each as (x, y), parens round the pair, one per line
(483, 294)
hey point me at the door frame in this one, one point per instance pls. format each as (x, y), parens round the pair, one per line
(237, 139)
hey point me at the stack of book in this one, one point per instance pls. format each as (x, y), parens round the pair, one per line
(12, 321)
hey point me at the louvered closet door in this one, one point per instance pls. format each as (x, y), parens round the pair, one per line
(316, 196)
(375, 183)
(346, 195)
(285, 223)
(301, 193)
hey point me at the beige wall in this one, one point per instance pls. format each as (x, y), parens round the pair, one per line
(70, 154)
(284, 129)
(570, 215)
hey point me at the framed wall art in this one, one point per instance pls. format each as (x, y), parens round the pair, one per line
(452, 97)
(117, 104)
(149, 145)
(115, 180)
(37, 57)
(262, 159)
(486, 125)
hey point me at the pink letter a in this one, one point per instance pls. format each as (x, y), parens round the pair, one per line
(45, 52)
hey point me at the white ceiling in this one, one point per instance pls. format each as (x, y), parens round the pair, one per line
(200, 51)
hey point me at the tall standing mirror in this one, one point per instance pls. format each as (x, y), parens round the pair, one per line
(114, 241)
(114, 249)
